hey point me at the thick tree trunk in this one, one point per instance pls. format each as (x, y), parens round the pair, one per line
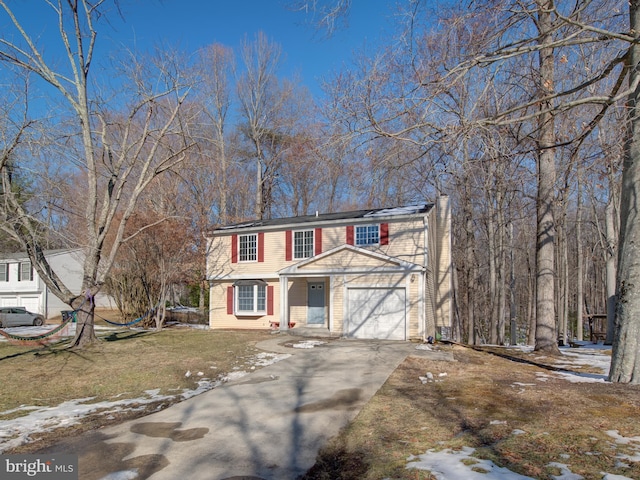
(470, 273)
(85, 333)
(493, 282)
(579, 259)
(625, 359)
(546, 339)
(610, 269)
(513, 308)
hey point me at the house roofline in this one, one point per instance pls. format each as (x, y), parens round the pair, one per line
(47, 253)
(402, 265)
(376, 215)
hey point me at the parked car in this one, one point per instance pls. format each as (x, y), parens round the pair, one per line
(19, 316)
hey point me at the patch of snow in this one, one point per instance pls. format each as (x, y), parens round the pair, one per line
(424, 346)
(448, 464)
(622, 440)
(565, 473)
(632, 442)
(517, 431)
(264, 359)
(17, 431)
(582, 377)
(497, 422)
(611, 476)
(234, 376)
(308, 344)
(408, 210)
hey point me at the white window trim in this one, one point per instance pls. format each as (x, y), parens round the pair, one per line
(255, 235)
(313, 243)
(5, 268)
(255, 311)
(355, 234)
(20, 272)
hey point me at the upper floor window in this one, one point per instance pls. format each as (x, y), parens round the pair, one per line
(248, 248)
(4, 272)
(25, 272)
(367, 235)
(363, 235)
(303, 244)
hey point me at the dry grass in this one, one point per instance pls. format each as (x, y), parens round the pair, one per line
(407, 417)
(124, 364)
(404, 418)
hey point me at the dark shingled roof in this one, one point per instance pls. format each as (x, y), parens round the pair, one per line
(328, 217)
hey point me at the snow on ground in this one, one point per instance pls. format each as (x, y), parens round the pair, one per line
(17, 431)
(308, 344)
(451, 464)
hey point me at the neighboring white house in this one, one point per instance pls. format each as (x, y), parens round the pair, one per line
(21, 286)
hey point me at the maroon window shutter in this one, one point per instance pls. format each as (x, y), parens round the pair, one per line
(230, 300)
(350, 234)
(270, 300)
(384, 234)
(288, 245)
(261, 247)
(318, 240)
(234, 248)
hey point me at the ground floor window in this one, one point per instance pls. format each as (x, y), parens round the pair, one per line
(251, 298)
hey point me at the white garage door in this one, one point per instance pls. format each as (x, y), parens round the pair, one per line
(31, 303)
(9, 301)
(376, 313)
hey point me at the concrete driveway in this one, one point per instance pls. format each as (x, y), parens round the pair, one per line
(267, 425)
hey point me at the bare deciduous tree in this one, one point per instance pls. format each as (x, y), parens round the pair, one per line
(123, 143)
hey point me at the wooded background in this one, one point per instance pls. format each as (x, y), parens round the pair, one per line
(518, 110)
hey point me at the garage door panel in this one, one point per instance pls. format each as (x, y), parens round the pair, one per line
(377, 313)
(9, 301)
(32, 304)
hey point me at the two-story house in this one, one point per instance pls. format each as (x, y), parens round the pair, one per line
(377, 273)
(21, 286)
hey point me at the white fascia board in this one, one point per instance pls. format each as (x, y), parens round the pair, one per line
(227, 278)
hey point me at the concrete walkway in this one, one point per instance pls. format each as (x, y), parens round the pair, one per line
(267, 425)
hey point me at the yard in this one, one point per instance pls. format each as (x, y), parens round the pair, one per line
(481, 412)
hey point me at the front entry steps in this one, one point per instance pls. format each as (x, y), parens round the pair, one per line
(304, 331)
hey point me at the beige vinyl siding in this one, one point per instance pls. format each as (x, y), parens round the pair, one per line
(220, 319)
(406, 241)
(443, 291)
(298, 301)
(430, 277)
(337, 293)
(346, 259)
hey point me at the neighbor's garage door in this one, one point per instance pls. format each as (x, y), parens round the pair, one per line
(8, 302)
(31, 303)
(376, 313)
